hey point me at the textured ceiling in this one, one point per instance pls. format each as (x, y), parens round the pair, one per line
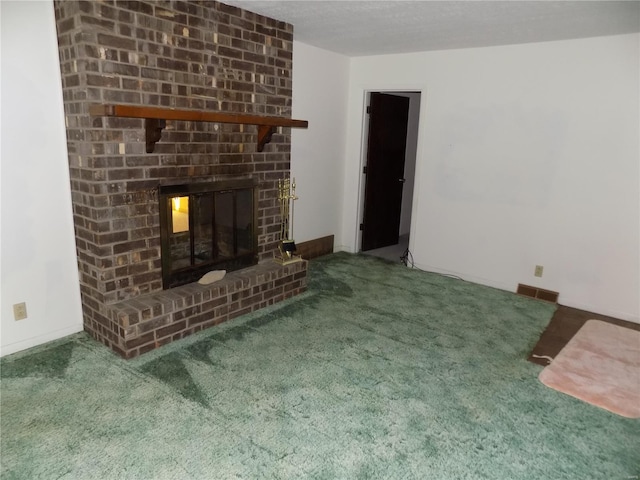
(356, 28)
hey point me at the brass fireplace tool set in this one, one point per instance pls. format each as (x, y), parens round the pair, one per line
(286, 197)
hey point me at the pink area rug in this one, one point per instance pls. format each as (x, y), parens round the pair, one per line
(600, 365)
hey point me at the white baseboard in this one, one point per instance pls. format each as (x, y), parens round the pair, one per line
(39, 340)
(468, 278)
(630, 317)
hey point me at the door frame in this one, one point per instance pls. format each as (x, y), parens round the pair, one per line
(364, 142)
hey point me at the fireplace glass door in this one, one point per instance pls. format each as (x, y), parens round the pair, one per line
(207, 227)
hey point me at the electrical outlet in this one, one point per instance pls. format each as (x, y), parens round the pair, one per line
(538, 271)
(20, 311)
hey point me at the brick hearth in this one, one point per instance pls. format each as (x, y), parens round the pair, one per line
(149, 321)
(178, 54)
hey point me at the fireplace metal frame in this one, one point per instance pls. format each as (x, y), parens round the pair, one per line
(173, 278)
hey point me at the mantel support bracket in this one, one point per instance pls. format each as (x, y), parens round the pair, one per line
(153, 129)
(264, 135)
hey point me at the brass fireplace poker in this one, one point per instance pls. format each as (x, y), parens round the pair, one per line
(287, 246)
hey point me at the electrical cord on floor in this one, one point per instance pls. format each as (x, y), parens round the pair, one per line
(546, 357)
(407, 260)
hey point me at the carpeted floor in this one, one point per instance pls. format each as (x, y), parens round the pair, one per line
(378, 371)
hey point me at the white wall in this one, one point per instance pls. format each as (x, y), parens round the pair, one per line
(320, 85)
(37, 240)
(527, 154)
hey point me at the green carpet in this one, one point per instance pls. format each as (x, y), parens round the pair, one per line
(377, 372)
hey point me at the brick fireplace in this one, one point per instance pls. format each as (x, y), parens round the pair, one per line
(190, 55)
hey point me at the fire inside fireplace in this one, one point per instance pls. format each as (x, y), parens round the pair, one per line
(207, 226)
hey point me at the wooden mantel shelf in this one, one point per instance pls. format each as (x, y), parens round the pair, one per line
(155, 120)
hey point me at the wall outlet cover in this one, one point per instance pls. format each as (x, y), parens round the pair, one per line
(20, 311)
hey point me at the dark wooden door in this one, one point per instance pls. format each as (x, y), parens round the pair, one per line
(384, 172)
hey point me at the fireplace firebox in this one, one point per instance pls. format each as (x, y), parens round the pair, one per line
(207, 226)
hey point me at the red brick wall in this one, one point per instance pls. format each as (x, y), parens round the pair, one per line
(183, 54)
